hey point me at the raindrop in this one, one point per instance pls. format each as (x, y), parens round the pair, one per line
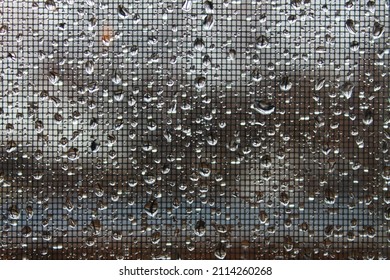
(3, 29)
(263, 217)
(116, 77)
(208, 22)
(156, 237)
(123, 12)
(220, 251)
(89, 67)
(263, 107)
(387, 213)
(200, 82)
(319, 84)
(329, 196)
(200, 228)
(284, 199)
(73, 154)
(96, 227)
(151, 207)
(94, 146)
(285, 84)
(262, 42)
(347, 90)
(199, 44)
(288, 243)
(26, 231)
(368, 117)
(187, 5)
(54, 77)
(13, 212)
(350, 25)
(208, 7)
(50, 5)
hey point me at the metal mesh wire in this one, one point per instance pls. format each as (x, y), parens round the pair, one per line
(194, 129)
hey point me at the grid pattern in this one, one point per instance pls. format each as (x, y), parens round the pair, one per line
(194, 129)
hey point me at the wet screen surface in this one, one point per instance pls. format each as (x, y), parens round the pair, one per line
(194, 129)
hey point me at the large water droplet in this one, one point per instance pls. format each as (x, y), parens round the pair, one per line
(220, 251)
(123, 12)
(351, 26)
(378, 30)
(200, 228)
(285, 84)
(151, 207)
(263, 107)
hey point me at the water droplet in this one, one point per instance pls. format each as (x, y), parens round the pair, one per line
(123, 12)
(319, 84)
(200, 82)
(187, 5)
(329, 196)
(116, 77)
(151, 207)
(368, 117)
(3, 29)
(199, 44)
(284, 199)
(220, 251)
(89, 67)
(263, 217)
(73, 154)
(285, 84)
(386, 213)
(262, 42)
(288, 243)
(13, 212)
(347, 90)
(54, 77)
(378, 30)
(350, 25)
(208, 22)
(50, 5)
(26, 231)
(96, 227)
(208, 7)
(156, 237)
(263, 107)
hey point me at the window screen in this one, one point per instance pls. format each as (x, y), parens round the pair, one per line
(188, 129)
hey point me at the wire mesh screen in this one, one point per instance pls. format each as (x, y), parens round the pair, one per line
(194, 129)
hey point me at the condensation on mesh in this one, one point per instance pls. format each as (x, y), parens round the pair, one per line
(194, 129)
